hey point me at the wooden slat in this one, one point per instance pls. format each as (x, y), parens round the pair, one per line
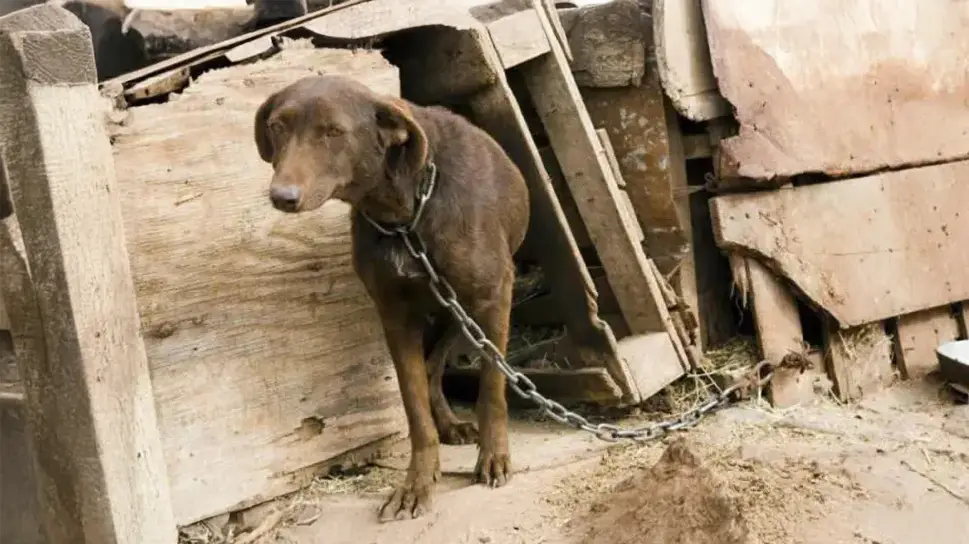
(571, 212)
(496, 111)
(867, 100)
(864, 249)
(654, 169)
(592, 184)
(779, 334)
(683, 59)
(518, 38)
(267, 302)
(103, 477)
(196, 56)
(859, 360)
(919, 334)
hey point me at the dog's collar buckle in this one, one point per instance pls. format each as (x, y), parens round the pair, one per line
(424, 192)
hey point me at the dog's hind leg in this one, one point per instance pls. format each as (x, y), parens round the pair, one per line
(451, 429)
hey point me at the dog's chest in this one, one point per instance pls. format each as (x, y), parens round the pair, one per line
(391, 260)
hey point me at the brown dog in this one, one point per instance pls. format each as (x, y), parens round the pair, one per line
(331, 137)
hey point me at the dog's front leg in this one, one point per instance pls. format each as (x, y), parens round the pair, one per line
(404, 333)
(494, 458)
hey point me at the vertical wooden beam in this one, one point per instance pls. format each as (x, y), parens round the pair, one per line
(919, 334)
(90, 409)
(779, 334)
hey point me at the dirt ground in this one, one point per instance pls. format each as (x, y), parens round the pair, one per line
(891, 469)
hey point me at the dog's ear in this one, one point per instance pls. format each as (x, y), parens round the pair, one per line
(264, 141)
(400, 132)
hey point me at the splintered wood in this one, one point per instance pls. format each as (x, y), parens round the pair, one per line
(863, 249)
(840, 87)
(267, 356)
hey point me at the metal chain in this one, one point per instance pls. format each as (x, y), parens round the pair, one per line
(519, 382)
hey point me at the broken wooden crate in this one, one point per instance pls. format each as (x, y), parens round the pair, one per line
(863, 159)
(251, 354)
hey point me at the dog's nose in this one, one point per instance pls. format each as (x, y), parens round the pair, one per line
(285, 197)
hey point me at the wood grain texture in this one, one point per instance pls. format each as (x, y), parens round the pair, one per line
(592, 183)
(919, 334)
(267, 355)
(840, 87)
(518, 38)
(549, 236)
(101, 471)
(779, 334)
(864, 249)
(859, 360)
(593, 186)
(683, 60)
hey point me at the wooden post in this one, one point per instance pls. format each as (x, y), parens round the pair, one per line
(90, 409)
(779, 333)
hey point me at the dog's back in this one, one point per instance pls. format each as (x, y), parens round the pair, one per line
(478, 177)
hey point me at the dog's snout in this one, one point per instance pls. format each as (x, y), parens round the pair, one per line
(285, 197)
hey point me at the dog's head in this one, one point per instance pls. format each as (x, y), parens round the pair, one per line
(332, 137)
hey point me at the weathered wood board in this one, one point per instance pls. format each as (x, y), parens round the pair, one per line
(779, 334)
(266, 353)
(859, 360)
(864, 249)
(919, 334)
(683, 60)
(101, 474)
(840, 87)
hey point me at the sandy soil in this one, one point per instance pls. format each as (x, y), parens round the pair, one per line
(891, 469)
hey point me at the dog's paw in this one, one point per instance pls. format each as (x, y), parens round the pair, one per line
(493, 468)
(409, 501)
(459, 433)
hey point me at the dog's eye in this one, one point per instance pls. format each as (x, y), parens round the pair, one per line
(329, 131)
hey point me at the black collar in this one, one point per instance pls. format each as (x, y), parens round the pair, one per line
(424, 192)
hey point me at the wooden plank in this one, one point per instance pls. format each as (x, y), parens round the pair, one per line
(593, 186)
(859, 360)
(210, 52)
(919, 334)
(585, 385)
(644, 138)
(888, 244)
(593, 342)
(518, 38)
(569, 209)
(779, 334)
(290, 332)
(102, 471)
(19, 517)
(866, 101)
(683, 60)
(653, 361)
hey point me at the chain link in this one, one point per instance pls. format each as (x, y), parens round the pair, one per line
(756, 377)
